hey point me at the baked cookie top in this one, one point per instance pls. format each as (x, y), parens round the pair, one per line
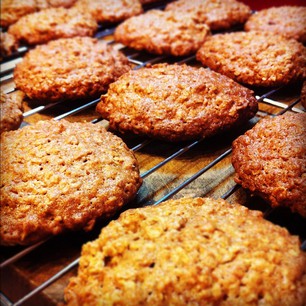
(270, 160)
(8, 45)
(53, 23)
(110, 10)
(69, 68)
(13, 10)
(255, 58)
(218, 15)
(43, 4)
(59, 176)
(11, 111)
(197, 251)
(176, 102)
(160, 32)
(286, 20)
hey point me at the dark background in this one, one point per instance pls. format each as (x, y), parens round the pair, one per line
(261, 4)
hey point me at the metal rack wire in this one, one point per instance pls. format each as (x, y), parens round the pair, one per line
(218, 147)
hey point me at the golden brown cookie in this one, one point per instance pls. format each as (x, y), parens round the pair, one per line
(13, 10)
(176, 102)
(69, 68)
(53, 23)
(286, 20)
(8, 44)
(11, 111)
(59, 176)
(188, 251)
(110, 10)
(43, 4)
(270, 160)
(160, 32)
(255, 58)
(218, 15)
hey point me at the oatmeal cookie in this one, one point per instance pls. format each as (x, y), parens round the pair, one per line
(188, 251)
(176, 102)
(110, 10)
(255, 58)
(59, 176)
(218, 15)
(43, 4)
(11, 110)
(160, 32)
(13, 10)
(69, 68)
(53, 23)
(8, 44)
(286, 20)
(270, 160)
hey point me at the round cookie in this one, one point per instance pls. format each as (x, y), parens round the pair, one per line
(43, 4)
(8, 45)
(161, 32)
(53, 23)
(218, 15)
(59, 176)
(286, 20)
(11, 111)
(110, 10)
(270, 160)
(197, 251)
(176, 102)
(69, 68)
(13, 10)
(255, 58)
